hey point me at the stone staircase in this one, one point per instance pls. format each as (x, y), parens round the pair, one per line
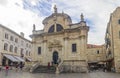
(44, 69)
(72, 66)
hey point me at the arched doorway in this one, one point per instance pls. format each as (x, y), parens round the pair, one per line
(55, 57)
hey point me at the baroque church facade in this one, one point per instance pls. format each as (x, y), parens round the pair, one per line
(61, 41)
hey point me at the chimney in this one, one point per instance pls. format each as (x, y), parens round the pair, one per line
(34, 27)
(22, 34)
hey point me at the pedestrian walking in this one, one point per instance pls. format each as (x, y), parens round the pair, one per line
(11, 65)
(21, 66)
(16, 67)
(105, 68)
(6, 70)
(48, 65)
(0, 67)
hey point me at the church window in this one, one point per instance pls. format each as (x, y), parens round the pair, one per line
(119, 21)
(39, 50)
(59, 27)
(51, 29)
(97, 51)
(74, 49)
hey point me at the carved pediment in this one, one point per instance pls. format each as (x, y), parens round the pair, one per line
(54, 43)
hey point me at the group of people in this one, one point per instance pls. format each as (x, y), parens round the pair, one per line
(54, 62)
(17, 67)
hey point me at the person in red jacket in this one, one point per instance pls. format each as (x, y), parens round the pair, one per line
(6, 69)
(48, 65)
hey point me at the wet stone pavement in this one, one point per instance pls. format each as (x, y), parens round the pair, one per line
(21, 74)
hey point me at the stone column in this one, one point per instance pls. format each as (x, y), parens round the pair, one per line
(83, 54)
(83, 45)
(65, 46)
(45, 48)
(34, 52)
(0, 59)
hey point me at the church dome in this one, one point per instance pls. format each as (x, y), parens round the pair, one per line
(55, 14)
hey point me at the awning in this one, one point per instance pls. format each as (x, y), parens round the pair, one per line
(10, 57)
(29, 59)
(93, 62)
(19, 58)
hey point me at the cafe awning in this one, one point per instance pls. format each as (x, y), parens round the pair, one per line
(19, 58)
(10, 57)
(29, 59)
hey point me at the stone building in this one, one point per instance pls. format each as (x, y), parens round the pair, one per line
(112, 40)
(61, 40)
(96, 54)
(14, 48)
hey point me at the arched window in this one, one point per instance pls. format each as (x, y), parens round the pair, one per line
(16, 40)
(11, 48)
(51, 29)
(59, 27)
(21, 52)
(26, 53)
(11, 38)
(15, 49)
(6, 46)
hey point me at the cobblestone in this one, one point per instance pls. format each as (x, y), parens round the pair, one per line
(21, 74)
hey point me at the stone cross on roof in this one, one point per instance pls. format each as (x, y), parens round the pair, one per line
(33, 27)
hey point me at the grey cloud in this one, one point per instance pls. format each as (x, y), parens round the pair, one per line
(3, 2)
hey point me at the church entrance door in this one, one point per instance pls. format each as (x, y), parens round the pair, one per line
(55, 57)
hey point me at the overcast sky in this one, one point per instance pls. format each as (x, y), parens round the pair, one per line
(20, 15)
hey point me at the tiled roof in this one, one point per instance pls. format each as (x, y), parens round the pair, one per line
(93, 46)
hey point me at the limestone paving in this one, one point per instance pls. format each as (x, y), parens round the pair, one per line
(21, 74)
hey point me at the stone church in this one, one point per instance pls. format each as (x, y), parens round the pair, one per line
(61, 42)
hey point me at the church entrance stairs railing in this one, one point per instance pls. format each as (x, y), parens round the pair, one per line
(34, 66)
(72, 66)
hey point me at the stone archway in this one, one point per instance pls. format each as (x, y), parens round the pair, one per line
(55, 57)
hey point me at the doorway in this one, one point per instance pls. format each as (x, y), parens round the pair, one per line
(55, 57)
(4, 61)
